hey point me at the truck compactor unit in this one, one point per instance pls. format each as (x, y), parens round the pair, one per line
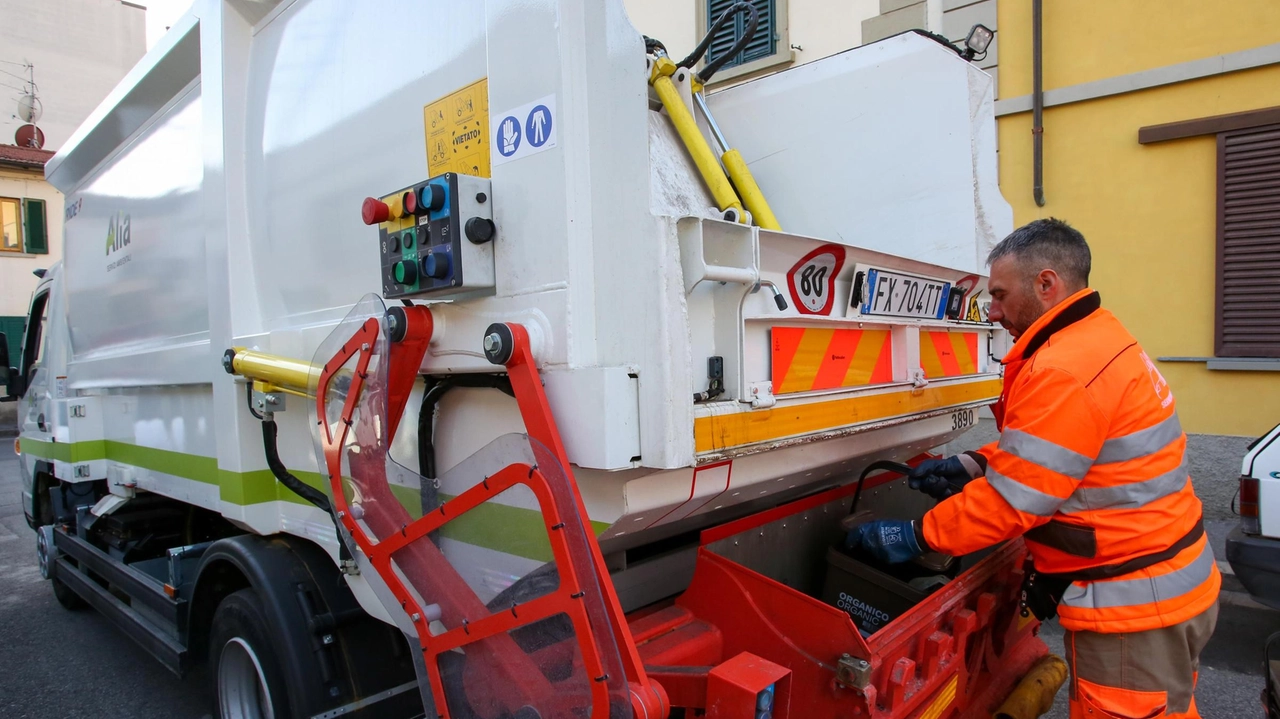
(423, 356)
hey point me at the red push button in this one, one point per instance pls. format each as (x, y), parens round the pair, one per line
(374, 211)
(410, 202)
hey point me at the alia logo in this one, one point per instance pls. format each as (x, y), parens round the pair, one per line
(117, 233)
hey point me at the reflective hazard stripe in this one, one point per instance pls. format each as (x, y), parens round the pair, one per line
(1141, 443)
(1050, 455)
(1137, 592)
(1128, 495)
(1021, 497)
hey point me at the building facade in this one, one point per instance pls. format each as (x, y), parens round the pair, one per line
(30, 239)
(1160, 142)
(77, 50)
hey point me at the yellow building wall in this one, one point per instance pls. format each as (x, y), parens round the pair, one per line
(1148, 211)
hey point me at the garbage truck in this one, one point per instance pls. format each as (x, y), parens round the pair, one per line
(474, 359)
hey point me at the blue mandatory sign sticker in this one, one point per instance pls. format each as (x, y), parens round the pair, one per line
(524, 130)
(538, 127)
(508, 136)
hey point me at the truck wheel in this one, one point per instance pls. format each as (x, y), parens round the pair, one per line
(46, 555)
(247, 680)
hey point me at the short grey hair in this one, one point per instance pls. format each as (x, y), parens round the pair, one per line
(1048, 244)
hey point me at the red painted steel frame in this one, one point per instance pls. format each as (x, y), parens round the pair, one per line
(503, 668)
(647, 698)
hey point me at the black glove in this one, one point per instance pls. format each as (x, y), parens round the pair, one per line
(941, 478)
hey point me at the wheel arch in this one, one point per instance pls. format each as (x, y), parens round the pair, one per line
(41, 480)
(312, 612)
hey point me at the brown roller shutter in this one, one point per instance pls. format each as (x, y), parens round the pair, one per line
(1248, 312)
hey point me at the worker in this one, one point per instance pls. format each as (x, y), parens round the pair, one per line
(1090, 469)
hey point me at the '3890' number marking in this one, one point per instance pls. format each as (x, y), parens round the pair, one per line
(964, 419)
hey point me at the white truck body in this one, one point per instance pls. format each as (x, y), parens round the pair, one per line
(224, 178)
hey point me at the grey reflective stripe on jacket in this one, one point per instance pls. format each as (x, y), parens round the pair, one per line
(1142, 443)
(1021, 497)
(1050, 455)
(1129, 495)
(1146, 590)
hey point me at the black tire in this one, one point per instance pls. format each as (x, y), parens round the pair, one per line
(67, 598)
(243, 666)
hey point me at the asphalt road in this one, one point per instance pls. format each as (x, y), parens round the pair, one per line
(58, 664)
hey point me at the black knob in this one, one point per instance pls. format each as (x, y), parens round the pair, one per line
(436, 265)
(479, 230)
(430, 198)
(405, 272)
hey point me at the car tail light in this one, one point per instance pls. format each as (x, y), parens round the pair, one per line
(1248, 507)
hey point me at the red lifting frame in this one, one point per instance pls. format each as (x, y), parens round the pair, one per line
(506, 670)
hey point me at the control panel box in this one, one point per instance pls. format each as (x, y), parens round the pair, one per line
(436, 237)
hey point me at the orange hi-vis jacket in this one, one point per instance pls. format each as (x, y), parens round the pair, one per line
(1091, 469)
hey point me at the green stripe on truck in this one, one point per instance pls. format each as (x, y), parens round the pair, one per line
(502, 528)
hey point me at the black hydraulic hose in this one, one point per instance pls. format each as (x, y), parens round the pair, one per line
(436, 389)
(753, 21)
(295, 485)
(881, 464)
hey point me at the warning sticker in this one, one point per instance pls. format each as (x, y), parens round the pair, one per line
(457, 129)
(975, 312)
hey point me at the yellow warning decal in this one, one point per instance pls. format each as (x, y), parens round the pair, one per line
(457, 127)
(975, 313)
(943, 702)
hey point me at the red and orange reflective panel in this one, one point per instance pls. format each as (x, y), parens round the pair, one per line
(811, 358)
(948, 354)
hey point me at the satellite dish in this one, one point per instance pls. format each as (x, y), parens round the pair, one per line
(29, 136)
(29, 108)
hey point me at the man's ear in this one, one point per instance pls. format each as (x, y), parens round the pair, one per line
(1046, 281)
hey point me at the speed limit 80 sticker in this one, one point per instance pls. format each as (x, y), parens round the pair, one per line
(812, 280)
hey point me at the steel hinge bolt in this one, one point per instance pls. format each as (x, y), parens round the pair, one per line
(416, 617)
(492, 343)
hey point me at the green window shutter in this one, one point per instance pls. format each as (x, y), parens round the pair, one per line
(763, 44)
(11, 328)
(37, 233)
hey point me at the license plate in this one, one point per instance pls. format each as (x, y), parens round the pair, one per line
(896, 294)
(964, 419)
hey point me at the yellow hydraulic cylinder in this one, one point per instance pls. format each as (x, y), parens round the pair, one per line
(1034, 694)
(705, 160)
(752, 197)
(285, 373)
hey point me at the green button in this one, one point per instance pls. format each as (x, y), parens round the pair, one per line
(405, 272)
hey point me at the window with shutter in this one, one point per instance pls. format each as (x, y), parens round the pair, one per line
(1248, 311)
(763, 44)
(10, 225)
(36, 232)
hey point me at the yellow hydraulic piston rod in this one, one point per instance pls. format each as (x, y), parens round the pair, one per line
(708, 166)
(272, 372)
(741, 176)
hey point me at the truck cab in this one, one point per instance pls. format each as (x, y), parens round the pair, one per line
(1253, 547)
(30, 382)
